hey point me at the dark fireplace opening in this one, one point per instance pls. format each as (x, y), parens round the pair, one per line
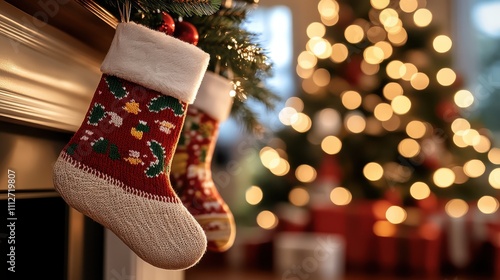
(39, 233)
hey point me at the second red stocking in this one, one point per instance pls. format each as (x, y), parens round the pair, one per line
(191, 173)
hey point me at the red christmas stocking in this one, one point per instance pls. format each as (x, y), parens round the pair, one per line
(191, 170)
(115, 168)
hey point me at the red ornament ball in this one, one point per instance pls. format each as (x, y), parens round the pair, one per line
(167, 24)
(187, 32)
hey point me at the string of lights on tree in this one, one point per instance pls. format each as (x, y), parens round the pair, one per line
(383, 106)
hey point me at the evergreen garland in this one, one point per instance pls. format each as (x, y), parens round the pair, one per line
(235, 55)
(178, 7)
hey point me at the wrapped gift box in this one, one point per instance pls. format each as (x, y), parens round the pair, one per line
(309, 256)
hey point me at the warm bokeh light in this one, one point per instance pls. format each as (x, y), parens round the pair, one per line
(458, 140)
(443, 177)
(304, 73)
(419, 81)
(305, 173)
(328, 8)
(487, 204)
(269, 157)
(320, 47)
(379, 4)
(494, 155)
(464, 98)
(389, 17)
(307, 60)
(315, 29)
(296, 103)
(267, 220)
(408, 6)
(340, 196)
(460, 126)
(385, 47)
(282, 168)
(301, 122)
(373, 171)
(396, 28)
(409, 147)
(355, 122)
(383, 112)
(351, 99)
(416, 129)
(456, 208)
(471, 137)
(339, 52)
(494, 178)
(407, 70)
(474, 168)
(285, 115)
(384, 229)
(254, 195)
(442, 43)
(392, 90)
(392, 69)
(398, 38)
(483, 146)
(321, 77)
(401, 105)
(446, 76)
(330, 21)
(420, 190)
(331, 145)
(422, 17)
(298, 197)
(395, 215)
(326, 122)
(354, 34)
(373, 55)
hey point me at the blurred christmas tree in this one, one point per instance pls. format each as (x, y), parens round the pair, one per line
(381, 115)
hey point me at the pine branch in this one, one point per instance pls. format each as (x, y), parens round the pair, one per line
(234, 53)
(177, 7)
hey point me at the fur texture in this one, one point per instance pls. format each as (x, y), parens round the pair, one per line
(156, 61)
(213, 96)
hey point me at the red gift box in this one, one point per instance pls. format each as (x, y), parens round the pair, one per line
(425, 249)
(355, 223)
(417, 247)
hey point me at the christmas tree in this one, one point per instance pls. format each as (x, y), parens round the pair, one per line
(381, 115)
(379, 146)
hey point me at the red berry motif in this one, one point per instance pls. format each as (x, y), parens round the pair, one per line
(186, 32)
(167, 24)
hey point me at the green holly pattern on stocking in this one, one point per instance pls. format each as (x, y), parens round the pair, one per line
(164, 102)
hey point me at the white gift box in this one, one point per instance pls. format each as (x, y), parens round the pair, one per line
(299, 255)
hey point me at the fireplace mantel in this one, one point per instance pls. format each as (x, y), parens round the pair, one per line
(48, 75)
